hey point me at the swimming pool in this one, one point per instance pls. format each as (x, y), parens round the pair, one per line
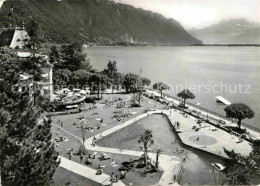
(197, 166)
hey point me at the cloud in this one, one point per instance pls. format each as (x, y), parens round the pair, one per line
(201, 13)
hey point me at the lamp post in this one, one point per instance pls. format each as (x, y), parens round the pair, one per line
(83, 133)
(141, 84)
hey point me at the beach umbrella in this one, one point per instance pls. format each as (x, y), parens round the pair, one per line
(66, 89)
(83, 92)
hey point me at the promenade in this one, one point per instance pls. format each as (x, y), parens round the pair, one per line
(253, 133)
(208, 138)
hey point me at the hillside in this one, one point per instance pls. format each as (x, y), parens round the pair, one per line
(222, 32)
(96, 21)
(251, 36)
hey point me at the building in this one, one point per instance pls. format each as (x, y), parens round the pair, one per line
(46, 83)
(15, 38)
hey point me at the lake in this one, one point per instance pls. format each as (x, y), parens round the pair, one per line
(230, 72)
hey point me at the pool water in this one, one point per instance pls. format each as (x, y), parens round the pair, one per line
(197, 166)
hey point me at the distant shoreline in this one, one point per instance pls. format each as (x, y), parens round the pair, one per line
(199, 45)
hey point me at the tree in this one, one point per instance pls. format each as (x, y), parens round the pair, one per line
(28, 157)
(186, 94)
(115, 78)
(55, 55)
(130, 82)
(33, 31)
(97, 80)
(240, 170)
(32, 67)
(73, 58)
(62, 77)
(111, 68)
(146, 81)
(160, 86)
(147, 140)
(239, 111)
(81, 77)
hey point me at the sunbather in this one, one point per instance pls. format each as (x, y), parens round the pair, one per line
(105, 156)
(100, 171)
(88, 161)
(113, 163)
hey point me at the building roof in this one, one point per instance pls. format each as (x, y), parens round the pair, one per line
(6, 37)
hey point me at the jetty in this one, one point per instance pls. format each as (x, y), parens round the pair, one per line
(222, 100)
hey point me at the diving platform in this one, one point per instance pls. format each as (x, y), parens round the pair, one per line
(222, 100)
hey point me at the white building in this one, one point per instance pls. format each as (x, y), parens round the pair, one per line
(15, 38)
(46, 83)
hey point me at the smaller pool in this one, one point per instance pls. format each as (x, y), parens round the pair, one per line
(202, 140)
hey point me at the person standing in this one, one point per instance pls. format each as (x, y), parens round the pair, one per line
(81, 158)
(70, 155)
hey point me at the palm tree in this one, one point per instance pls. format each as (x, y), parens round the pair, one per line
(160, 86)
(147, 140)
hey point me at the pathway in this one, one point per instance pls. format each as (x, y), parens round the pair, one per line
(87, 172)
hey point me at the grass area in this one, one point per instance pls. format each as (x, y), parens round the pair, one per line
(64, 177)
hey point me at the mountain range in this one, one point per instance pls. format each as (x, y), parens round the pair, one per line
(232, 31)
(101, 22)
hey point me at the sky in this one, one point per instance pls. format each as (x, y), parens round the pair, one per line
(201, 13)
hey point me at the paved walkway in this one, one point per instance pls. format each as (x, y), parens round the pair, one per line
(215, 140)
(87, 172)
(217, 118)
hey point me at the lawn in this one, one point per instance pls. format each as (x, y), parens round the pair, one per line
(64, 177)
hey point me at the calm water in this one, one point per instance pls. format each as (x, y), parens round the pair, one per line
(203, 69)
(197, 166)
